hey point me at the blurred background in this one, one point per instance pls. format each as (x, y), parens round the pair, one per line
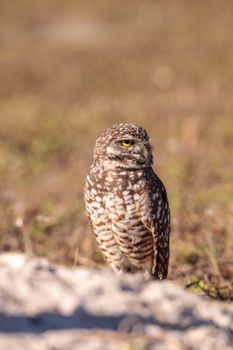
(68, 70)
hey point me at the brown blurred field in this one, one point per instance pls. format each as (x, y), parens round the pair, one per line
(68, 70)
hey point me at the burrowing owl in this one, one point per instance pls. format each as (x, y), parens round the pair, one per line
(127, 203)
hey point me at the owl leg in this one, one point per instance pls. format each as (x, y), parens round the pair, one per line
(123, 266)
(116, 268)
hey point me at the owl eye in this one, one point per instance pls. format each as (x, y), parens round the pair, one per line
(126, 143)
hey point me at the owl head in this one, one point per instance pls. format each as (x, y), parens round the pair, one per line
(123, 146)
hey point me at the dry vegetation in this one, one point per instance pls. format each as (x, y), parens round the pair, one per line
(69, 69)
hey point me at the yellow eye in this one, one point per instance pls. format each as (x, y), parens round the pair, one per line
(127, 143)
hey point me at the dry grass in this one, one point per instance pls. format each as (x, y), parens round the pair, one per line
(69, 69)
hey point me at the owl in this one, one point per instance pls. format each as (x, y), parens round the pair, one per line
(127, 204)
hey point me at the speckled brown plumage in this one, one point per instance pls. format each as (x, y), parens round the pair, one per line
(127, 203)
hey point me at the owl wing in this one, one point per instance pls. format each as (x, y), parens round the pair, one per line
(157, 221)
(162, 228)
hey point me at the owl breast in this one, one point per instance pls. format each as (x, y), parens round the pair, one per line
(120, 208)
(131, 234)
